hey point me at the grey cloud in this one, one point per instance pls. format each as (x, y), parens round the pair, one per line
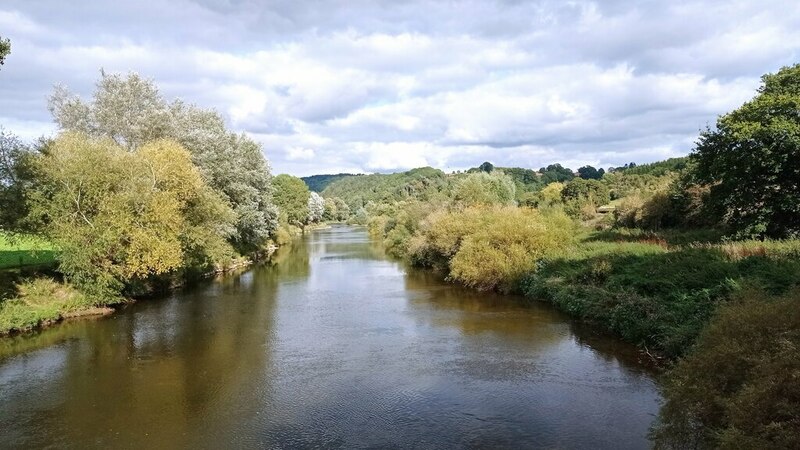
(371, 85)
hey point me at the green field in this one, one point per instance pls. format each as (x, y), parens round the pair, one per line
(20, 251)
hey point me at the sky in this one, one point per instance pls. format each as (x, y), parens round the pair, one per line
(382, 86)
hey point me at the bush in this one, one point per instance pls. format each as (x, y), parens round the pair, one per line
(739, 389)
(490, 248)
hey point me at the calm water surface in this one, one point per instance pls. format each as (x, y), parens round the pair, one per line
(335, 347)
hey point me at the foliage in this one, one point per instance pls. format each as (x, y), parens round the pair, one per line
(486, 167)
(425, 183)
(318, 183)
(316, 208)
(131, 111)
(590, 191)
(739, 388)
(38, 301)
(485, 189)
(590, 173)
(120, 216)
(654, 295)
(292, 197)
(336, 210)
(751, 160)
(656, 169)
(15, 162)
(555, 173)
(5, 49)
(490, 248)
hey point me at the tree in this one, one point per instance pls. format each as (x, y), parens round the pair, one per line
(5, 49)
(316, 208)
(343, 210)
(483, 188)
(119, 217)
(291, 196)
(15, 176)
(585, 191)
(555, 173)
(131, 111)
(486, 167)
(751, 160)
(590, 173)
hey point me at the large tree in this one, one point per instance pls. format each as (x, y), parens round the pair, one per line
(751, 160)
(15, 157)
(120, 216)
(131, 111)
(291, 196)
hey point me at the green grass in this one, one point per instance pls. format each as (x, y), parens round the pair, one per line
(20, 251)
(39, 301)
(655, 294)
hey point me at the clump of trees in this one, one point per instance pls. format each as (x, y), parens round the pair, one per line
(120, 216)
(130, 110)
(483, 188)
(292, 198)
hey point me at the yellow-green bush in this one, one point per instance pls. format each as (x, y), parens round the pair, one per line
(491, 248)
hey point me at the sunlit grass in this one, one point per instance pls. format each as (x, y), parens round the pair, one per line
(24, 250)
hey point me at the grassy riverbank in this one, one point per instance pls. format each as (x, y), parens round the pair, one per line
(657, 295)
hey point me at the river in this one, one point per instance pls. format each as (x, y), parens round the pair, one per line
(335, 346)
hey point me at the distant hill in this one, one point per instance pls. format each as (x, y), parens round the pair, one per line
(318, 183)
(422, 183)
(657, 169)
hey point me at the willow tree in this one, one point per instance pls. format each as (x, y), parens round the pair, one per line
(131, 111)
(119, 216)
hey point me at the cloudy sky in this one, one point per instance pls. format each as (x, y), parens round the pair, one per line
(366, 86)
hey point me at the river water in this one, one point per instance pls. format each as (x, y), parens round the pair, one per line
(335, 346)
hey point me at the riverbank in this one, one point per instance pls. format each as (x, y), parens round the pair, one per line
(656, 290)
(42, 301)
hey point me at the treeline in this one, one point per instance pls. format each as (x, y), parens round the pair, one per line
(137, 193)
(695, 259)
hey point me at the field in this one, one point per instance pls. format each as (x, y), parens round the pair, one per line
(21, 251)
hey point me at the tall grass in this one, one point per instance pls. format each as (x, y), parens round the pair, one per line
(40, 301)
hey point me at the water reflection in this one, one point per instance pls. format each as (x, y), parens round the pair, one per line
(335, 346)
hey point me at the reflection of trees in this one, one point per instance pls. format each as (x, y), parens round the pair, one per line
(157, 373)
(509, 317)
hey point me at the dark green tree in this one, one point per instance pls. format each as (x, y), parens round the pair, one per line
(486, 167)
(5, 49)
(590, 173)
(751, 160)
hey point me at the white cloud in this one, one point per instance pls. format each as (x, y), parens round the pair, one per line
(373, 86)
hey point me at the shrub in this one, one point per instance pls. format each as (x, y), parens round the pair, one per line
(490, 248)
(739, 389)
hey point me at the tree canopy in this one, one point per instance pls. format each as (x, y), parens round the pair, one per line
(119, 216)
(5, 49)
(131, 111)
(751, 159)
(292, 197)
